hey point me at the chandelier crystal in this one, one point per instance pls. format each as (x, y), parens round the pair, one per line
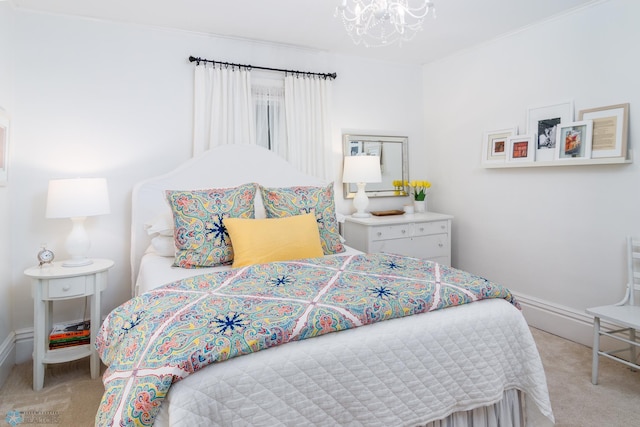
(377, 23)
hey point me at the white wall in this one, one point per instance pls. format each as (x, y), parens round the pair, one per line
(6, 105)
(113, 100)
(552, 233)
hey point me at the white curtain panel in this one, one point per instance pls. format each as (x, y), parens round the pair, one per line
(223, 109)
(307, 101)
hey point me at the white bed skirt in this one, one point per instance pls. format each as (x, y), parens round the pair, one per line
(512, 410)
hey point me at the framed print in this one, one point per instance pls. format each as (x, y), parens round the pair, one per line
(355, 148)
(573, 141)
(494, 145)
(610, 130)
(542, 123)
(521, 148)
(4, 147)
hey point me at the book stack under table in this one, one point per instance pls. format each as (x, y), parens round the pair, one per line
(70, 334)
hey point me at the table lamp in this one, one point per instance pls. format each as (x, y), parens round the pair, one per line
(77, 199)
(360, 170)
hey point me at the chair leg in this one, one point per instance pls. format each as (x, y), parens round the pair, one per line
(596, 348)
(633, 348)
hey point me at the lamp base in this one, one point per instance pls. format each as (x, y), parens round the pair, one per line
(78, 244)
(360, 202)
(77, 262)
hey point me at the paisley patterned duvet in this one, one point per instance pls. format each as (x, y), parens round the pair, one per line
(162, 336)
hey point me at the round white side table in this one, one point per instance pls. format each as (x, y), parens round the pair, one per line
(54, 282)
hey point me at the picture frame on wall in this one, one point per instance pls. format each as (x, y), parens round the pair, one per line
(610, 130)
(542, 123)
(521, 148)
(4, 147)
(494, 145)
(573, 141)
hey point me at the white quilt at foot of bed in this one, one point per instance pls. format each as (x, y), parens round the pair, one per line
(407, 371)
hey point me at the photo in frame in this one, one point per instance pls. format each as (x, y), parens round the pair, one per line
(4, 147)
(355, 148)
(610, 130)
(573, 140)
(542, 123)
(521, 148)
(494, 145)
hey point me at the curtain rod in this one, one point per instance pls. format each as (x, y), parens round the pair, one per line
(306, 73)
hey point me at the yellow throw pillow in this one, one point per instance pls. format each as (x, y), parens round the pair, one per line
(258, 241)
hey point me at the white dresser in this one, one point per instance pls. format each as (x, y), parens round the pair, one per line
(421, 235)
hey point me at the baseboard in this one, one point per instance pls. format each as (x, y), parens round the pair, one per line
(7, 356)
(563, 321)
(24, 345)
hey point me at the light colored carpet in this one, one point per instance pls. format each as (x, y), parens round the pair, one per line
(614, 402)
(71, 398)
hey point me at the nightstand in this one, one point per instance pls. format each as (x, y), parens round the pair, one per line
(421, 235)
(55, 283)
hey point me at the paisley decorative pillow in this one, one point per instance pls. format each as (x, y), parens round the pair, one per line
(200, 236)
(281, 202)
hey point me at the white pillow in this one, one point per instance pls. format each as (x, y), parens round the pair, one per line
(162, 224)
(164, 246)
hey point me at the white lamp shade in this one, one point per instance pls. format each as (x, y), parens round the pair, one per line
(78, 197)
(361, 169)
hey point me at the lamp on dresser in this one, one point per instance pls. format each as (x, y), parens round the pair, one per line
(77, 199)
(361, 170)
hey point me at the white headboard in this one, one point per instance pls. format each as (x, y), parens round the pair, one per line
(221, 167)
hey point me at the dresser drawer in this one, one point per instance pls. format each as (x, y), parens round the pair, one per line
(390, 232)
(428, 247)
(67, 287)
(427, 228)
(434, 245)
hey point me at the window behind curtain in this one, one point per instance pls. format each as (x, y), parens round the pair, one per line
(269, 112)
(235, 105)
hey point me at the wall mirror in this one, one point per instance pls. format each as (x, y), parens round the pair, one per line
(393, 162)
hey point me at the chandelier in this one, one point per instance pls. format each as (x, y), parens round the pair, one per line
(377, 23)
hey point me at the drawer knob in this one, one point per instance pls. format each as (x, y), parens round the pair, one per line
(440, 244)
(421, 228)
(379, 233)
(443, 226)
(404, 231)
(66, 288)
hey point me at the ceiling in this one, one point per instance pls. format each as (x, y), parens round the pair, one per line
(460, 24)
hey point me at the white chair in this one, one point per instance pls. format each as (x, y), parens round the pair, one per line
(625, 314)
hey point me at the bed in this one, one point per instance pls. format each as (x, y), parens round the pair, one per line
(471, 364)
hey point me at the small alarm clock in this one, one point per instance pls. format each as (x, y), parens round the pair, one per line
(45, 256)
